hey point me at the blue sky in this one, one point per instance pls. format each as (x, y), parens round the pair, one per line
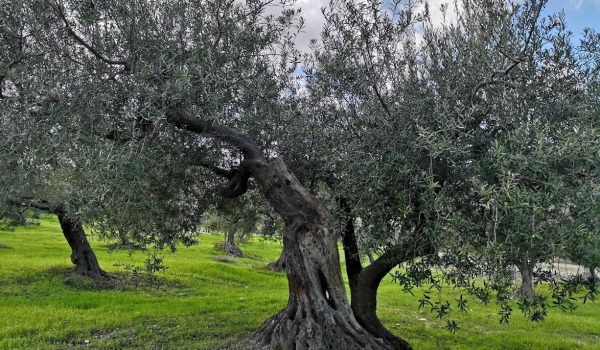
(579, 14)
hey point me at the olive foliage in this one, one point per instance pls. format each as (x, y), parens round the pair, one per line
(468, 146)
(477, 136)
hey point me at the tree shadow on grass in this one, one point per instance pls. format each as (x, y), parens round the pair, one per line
(119, 281)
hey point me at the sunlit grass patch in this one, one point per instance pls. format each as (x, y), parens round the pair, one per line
(200, 302)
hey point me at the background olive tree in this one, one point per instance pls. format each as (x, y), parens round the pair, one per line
(451, 139)
(150, 104)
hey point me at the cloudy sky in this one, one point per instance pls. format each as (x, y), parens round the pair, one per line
(579, 14)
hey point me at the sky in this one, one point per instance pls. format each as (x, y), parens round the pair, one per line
(579, 14)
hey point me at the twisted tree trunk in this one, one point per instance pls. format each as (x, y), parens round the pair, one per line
(318, 315)
(229, 245)
(82, 254)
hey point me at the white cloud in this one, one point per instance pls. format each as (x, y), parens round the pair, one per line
(313, 20)
(577, 3)
(435, 11)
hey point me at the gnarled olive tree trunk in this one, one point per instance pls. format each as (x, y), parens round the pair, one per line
(318, 315)
(229, 245)
(82, 254)
(279, 264)
(593, 274)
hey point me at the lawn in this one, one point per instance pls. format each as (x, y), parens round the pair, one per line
(204, 302)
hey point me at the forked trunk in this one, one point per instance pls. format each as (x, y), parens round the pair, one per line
(526, 289)
(363, 291)
(318, 315)
(364, 282)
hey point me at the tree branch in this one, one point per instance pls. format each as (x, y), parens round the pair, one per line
(515, 61)
(181, 120)
(381, 101)
(42, 204)
(533, 26)
(238, 184)
(229, 174)
(238, 178)
(493, 80)
(80, 40)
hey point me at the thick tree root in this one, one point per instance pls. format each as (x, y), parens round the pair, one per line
(302, 329)
(91, 273)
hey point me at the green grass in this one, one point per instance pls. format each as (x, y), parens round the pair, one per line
(204, 301)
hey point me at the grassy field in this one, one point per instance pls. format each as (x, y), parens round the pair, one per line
(201, 302)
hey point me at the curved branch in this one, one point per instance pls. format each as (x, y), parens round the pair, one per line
(238, 178)
(515, 61)
(495, 74)
(229, 174)
(41, 204)
(181, 120)
(238, 184)
(80, 40)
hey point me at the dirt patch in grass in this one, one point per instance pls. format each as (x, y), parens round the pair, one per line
(5, 246)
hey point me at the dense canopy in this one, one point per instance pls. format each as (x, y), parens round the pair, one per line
(466, 147)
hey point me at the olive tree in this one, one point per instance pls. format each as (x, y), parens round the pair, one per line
(27, 181)
(420, 124)
(150, 105)
(152, 102)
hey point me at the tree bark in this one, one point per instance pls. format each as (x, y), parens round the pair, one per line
(593, 275)
(82, 254)
(363, 292)
(364, 282)
(318, 315)
(526, 270)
